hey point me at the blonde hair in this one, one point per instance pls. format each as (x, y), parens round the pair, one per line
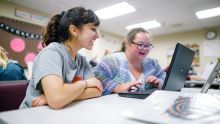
(3, 58)
(131, 35)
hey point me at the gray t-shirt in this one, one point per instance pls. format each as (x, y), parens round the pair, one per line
(54, 60)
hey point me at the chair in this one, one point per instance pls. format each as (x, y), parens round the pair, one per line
(12, 93)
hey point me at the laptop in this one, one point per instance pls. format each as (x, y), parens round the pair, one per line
(176, 74)
(215, 73)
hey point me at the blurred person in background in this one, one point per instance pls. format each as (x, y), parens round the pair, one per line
(9, 71)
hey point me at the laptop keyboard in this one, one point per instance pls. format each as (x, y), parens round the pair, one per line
(144, 91)
(141, 94)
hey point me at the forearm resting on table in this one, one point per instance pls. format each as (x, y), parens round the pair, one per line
(65, 96)
(89, 93)
(59, 94)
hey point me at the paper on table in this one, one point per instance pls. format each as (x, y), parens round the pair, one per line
(199, 106)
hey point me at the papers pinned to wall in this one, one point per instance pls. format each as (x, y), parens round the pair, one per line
(211, 48)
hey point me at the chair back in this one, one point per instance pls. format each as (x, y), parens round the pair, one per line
(12, 93)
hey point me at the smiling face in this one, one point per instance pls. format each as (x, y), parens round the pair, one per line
(87, 35)
(140, 46)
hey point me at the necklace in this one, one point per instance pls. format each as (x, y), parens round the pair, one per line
(73, 52)
(71, 49)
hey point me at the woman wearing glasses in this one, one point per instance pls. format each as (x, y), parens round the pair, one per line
(121, 71)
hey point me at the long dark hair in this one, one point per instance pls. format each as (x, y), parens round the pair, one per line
(57, 29)
(130, 37)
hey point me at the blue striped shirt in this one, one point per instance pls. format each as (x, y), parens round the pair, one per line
(114, 70)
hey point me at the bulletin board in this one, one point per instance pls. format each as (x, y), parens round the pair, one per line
(194, 47)
(20, 39)
(212, 48)
(196, 59)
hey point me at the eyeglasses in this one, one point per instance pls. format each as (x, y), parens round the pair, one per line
(142, 46)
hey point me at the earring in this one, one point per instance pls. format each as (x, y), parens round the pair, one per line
(75, 34)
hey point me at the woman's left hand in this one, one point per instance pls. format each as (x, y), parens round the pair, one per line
(39, 101)
(153, 80)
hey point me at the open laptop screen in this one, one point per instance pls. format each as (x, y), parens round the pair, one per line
(179, 68)
(176, 74)
(215, 73)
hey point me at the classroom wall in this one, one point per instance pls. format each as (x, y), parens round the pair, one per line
(107, 40)
(113, 42)
(164, 42)
(8, 10)
(22, 46)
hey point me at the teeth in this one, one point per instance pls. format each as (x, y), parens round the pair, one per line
(142, 53)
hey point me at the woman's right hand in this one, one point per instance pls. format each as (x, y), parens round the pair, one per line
(94, 82)
(125, 86)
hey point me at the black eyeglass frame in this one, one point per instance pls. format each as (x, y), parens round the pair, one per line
(142, 46)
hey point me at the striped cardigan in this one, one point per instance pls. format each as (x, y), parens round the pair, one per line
(114, 70)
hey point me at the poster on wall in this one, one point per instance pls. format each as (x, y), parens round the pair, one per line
(196, 59)
(31, 16)
(20, 39)
(194, 47)
(211, 48)
(170, 52)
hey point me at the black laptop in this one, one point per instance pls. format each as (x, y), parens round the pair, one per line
(175, 76)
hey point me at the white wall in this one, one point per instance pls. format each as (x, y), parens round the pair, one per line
(161, 46)
(113, 42)
(108, 41)
(8, 10)
(165, 42)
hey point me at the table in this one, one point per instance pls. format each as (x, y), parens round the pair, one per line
(109, 109)
(102, 110)
(192, 83)
(198, 90)
(154, 108)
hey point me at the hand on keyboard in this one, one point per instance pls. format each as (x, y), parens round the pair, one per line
(134, 88)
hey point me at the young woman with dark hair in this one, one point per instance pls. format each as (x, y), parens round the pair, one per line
(61, 75)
